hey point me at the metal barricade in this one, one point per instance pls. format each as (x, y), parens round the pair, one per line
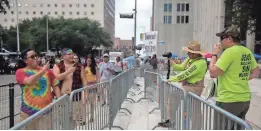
(174, 106)
(89, 107)
(207, 116)
(10, 98)
(150, 86)
(119, 88)
(55, 116)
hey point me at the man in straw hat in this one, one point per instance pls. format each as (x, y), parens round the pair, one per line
(234, 68)
(192, 74)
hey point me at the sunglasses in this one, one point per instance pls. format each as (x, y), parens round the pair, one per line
(223, 37)
(33, 57)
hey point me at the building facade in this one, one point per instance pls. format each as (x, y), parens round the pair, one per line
(180, 21)
(101, 10)
(123, 46)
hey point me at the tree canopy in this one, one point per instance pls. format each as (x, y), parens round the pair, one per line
(4, 4)
(240, 12)
(79, 34)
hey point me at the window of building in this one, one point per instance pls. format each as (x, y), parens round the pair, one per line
(26, 5)
(12, 20)
(20, 20)
(186, 19)
(70, 5)
(20, 12)
(182, 7)
(85, 5)
(11, 4)
(178, 19)
(168, 7)
(5, 20)
(187, 7)
(27, 12)
(34, 5)
(49, 13)
(41, 5)
(19, 5)
(55, 5)
(48, 5)
(167, 19)
(63, 5)
(92, 13)
(70, 13)
(182, 19)
(78, 13)
(92, 5)
(34, 12)
(63, 13)
(41, 12)
(55, 13)
(85, 13)
(12, 12)
(178, 7)
(77, 5)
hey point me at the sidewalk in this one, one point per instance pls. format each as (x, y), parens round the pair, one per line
(140, 119)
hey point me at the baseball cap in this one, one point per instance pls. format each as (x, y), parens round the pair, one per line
(232, 31)
(106, 55)
(66, 51)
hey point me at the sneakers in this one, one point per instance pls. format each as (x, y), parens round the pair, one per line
(164, 124)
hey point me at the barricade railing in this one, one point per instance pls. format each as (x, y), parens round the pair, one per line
(187, 110)
(55, 116)
(206, 116)
(89, 107)
(119, 88)
(82, 110)
(139, 71)
(150, 86)
(10, 105)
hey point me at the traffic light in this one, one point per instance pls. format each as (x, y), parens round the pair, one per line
(127, 16)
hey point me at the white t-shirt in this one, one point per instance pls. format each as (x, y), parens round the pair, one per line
(105, 74)
(118, 66)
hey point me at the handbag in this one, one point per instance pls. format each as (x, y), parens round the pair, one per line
(210, 90)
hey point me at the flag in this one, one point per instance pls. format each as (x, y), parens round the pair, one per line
(142, 36)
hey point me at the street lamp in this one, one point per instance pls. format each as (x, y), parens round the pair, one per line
(47, 33)
(130, 16)
(17, 28)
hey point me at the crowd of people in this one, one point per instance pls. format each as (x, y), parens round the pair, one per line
(233, 68)
(41, 85)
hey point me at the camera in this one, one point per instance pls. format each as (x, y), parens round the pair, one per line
(167, 54)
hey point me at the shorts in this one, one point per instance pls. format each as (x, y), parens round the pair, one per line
(93, 90)
(77, 110)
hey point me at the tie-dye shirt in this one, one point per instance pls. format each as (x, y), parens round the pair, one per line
(36, 97)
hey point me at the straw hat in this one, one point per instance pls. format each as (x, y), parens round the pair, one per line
(193, 47)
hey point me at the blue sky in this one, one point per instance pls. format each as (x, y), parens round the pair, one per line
(125, 27)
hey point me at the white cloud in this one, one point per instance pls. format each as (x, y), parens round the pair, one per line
(125, 27)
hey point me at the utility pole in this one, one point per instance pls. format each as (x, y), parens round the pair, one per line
(17, 28)
(135, 27)
(47, 37)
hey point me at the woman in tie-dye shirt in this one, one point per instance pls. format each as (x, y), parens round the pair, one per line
(36, 84)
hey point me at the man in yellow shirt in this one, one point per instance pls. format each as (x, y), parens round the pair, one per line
(235, 67)
(192, 74)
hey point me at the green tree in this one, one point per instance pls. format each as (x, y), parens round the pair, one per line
(3, 5)
(240, 12)
(79, 34)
